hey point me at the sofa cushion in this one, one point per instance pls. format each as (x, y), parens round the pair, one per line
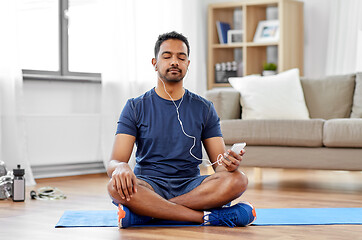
(357, 98)
(329, 97)
(303, 157)
(226, 102)
(305, 133)
(343, 133)
(271, 97)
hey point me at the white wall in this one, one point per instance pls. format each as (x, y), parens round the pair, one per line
(316, 17)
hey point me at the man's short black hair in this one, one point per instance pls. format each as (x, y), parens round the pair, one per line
(171, 35)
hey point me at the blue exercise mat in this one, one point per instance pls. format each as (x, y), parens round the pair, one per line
(265, 217)
(308, 216)
(107, 218)
(88, 218)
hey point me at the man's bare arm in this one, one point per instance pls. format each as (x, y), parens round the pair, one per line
(122, 176)
(121, 153)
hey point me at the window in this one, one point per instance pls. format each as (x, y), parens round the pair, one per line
(60, 40)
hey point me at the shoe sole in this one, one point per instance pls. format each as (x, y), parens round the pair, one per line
(121, 215)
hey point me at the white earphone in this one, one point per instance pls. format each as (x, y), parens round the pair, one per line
(219, 157)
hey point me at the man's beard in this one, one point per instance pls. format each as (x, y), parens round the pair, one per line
(172, 78)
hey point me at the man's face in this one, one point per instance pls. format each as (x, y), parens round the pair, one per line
(172, 60)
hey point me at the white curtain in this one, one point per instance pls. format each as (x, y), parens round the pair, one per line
(132, 30)
(12, 130)
(344, 23)
(359, 51)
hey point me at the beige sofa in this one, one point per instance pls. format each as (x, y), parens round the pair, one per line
(331, 139)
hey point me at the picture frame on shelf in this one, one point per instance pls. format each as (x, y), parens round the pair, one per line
(235, 36)
(267, 31)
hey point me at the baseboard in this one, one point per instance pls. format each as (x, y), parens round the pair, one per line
(62, 170)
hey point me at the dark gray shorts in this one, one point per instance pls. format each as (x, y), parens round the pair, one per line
(172, 187)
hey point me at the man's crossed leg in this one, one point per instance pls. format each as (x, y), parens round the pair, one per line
(214, 191)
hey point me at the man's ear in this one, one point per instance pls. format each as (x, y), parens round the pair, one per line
(154, 63)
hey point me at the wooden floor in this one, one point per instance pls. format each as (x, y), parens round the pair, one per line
(35, 219)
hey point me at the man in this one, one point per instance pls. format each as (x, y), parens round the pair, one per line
(168, 125)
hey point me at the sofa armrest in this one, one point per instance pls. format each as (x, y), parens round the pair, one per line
(226, 102)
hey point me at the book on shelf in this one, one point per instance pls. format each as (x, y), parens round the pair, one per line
(222, 31)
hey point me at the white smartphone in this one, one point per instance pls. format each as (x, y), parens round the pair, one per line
(237, 147)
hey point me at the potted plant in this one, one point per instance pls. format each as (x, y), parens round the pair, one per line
(269, 69)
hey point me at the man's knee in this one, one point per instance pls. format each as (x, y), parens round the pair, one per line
(113, 193)
(238, 182)
(116, 196)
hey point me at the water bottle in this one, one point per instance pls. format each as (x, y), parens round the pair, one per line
(19, 185)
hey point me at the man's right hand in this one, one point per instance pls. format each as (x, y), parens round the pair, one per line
(124, 181)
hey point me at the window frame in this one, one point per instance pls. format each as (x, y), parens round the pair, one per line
(63, 74)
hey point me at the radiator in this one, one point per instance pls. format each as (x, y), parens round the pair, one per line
(63, 145)
(70, 169)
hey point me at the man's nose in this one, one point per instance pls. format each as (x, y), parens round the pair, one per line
(174, 61)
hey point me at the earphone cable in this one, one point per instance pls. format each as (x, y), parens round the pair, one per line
(219, 157)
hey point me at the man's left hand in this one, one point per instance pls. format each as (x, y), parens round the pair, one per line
(231, 160)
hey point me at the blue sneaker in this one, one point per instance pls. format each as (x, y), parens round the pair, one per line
(241, 214)
(126, 218)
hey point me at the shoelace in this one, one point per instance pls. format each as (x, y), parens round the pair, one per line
(226, 218)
